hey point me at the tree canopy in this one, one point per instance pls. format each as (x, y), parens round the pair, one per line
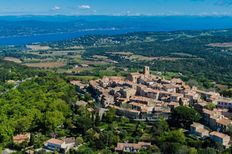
(184, 116)
(37, 104)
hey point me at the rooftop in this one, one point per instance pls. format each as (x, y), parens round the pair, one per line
(202, 130)
(21, 138)
(124, 109)
(227, 100)
(69, 140)
(173, 104)
(224, 121)
(176, 80)
(218, 134)
(196, 124)
(208, 111)
(138, 104)
(121, 146)
(55, 141)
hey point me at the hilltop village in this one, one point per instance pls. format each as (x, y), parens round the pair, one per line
(146, 97)
(135, 113)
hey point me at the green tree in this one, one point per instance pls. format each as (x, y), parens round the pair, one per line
(83, 123)
(170, 148)
(192, 151)
(160, 127)
(176, 136)
(227, 92)
(97, 119)
(84, 149)
(79, 140)
(23, 124)
(183, 116)
(207, 151)
(124, 120)
(229, 130)
(110, 115)
(87, 97)
(37, 140)
(210, 106)
(53, 120)
(227, 151)
(106, 151)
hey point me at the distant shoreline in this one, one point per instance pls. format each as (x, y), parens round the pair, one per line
(54, 37)
(39, 29)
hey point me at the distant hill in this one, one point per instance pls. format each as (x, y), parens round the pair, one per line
(28, 26)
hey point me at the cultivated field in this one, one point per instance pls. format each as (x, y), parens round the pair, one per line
(46, 64)
(16, 60)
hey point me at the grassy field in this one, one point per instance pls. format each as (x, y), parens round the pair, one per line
(38, 47)
(222, 45)
(55, 64)
(55, 53)
(121, 53)
(144, 58)
(16, 60)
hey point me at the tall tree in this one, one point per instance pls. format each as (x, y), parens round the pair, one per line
(184, 116)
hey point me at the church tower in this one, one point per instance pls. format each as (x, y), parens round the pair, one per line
(146, 70)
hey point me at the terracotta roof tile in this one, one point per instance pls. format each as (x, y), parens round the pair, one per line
(55, 141)
(221, 135)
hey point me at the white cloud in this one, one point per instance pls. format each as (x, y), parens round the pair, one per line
(55, 8)
(84, 6)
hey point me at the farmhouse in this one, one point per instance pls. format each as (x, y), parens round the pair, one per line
(131, 147)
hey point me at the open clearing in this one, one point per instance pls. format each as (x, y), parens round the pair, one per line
(144, 58)
(121, 53)
(46, 64)
(222, 45)
(16, 60)
(38, 47)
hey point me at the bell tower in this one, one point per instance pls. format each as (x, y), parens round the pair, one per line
(146, 70)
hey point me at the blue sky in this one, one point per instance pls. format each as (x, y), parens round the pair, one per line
(116, 7)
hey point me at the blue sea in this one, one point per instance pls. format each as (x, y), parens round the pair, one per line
(22, 40)
(76, 26)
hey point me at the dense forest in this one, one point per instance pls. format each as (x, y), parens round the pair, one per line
(40, 104)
